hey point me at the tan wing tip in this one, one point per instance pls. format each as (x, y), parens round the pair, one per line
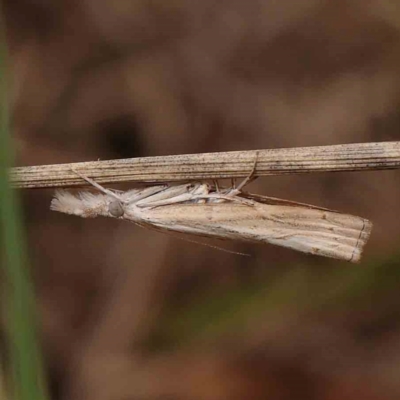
(365, 233)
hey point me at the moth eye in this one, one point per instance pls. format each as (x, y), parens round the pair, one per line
(115, 209)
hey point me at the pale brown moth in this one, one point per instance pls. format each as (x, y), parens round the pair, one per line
(205, 210)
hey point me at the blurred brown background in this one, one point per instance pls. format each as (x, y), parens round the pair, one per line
(131, 314)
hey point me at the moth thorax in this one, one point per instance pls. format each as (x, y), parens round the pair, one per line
(115, 209)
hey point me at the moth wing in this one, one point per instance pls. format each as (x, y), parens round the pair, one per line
(307, 229)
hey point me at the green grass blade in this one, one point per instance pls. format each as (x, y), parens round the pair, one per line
(24, 350)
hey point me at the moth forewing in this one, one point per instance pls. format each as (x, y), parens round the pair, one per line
(200, 209)
(320, 232)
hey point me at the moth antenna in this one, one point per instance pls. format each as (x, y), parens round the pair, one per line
(152, 228)
(96, 185)
(208, 245)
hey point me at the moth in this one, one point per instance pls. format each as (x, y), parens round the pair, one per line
(204, 209)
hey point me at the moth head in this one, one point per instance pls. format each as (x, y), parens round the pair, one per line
(84, 204)
(115, 208)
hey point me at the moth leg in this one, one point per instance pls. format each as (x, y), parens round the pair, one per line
(96, 185)
(226, 197)
(235, 191)
(138, 195)
(175, 195)
(251, 176)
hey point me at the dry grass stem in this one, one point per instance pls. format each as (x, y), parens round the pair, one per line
(236, 164)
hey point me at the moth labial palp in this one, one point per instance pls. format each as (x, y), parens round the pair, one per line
(206, 210)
